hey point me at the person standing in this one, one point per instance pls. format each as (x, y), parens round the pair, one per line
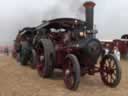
(117, 52)
(6, 51)
(106, 49)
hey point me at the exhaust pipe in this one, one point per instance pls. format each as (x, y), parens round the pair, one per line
(89, 11)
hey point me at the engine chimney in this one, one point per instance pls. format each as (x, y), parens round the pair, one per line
(89, 10)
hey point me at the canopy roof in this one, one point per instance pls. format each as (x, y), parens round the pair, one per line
(67, 23)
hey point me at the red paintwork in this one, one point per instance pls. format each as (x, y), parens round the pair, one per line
(61, 52)
(121, 44)
(61, 48)
(89, 4)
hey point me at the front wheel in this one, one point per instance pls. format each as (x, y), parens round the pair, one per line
(110, 70)
(33, 59)
(71, 72)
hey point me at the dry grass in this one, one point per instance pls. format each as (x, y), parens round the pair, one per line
(16, 80)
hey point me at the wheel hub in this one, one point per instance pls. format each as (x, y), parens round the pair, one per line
(67, 72)
(41, 58)
(110, 71)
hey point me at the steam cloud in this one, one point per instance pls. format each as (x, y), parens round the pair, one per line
(16, 14)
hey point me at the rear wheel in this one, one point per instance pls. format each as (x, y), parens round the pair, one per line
(127, 55)
(71, 72)
(46, 58)
(33, 59)
(23, 56)
(110, 70)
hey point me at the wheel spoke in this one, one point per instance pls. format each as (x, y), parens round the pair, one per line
(68, 80)
(106, 77)
(70, 67)
(115, 72)
(105, 74)
(68, 77)
(113, 76)
(112, 79)
(106, 63)
(110, 62)
(109, 78)
(114, 65)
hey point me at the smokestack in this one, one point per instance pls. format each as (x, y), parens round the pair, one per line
(89, 10)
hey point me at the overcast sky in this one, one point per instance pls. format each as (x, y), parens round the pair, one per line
(111, 16)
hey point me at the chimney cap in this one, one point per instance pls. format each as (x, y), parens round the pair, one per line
(89, 4)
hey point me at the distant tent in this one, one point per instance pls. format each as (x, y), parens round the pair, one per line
(125, 36)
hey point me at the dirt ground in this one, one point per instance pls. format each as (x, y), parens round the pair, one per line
(16, 80)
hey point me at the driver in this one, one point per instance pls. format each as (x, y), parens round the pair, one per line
(67, 37)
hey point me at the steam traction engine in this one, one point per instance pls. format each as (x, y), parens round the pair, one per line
(121, 44)
(70, 44)
(23, 47)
